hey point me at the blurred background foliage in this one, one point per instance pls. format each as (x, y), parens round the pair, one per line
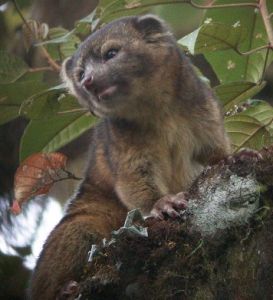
(231, 47)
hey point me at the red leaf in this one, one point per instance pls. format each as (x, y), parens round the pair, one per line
(36, 175)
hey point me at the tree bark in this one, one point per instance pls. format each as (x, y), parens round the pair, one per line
(221, 248)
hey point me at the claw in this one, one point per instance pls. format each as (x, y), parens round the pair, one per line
(69, 291)
(244, 154)
(169, 205)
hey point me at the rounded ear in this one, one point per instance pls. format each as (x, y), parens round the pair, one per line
(151, 27)
(66, 75)
(66, 68)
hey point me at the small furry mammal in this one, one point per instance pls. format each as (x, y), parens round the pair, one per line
(160, 124)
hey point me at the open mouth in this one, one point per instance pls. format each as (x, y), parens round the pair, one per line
(107, 92)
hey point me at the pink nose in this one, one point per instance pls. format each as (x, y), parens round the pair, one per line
(87, 82)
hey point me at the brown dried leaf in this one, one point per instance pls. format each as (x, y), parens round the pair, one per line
(36, 175)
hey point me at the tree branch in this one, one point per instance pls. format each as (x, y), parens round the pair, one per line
(227, 225)
(45, 53)
(39, 69)
(49, 59)
(209, 6)
(266, 19)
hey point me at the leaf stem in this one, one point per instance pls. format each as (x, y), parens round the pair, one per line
(39, 69)
(70, 176)
(21, 15)
(190, 2)
(252, 50)
(45, 53)
(209, 6)
(50, 60)
(266, 19)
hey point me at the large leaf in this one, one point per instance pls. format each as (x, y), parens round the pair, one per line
(11, 67)
(88, 24)
(263, 112)
(58, 35)
(48, 103)
(40, 106)
(108, 10)
(12, 95)
(229, 65)
(235, 93)
(246, 131)
(75, 129)
(51, 134)
(212, 37)
(61, 42)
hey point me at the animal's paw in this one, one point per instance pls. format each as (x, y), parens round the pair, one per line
(169, 205)
(244, 155)
(70, 291)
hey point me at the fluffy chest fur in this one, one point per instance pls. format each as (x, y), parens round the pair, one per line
(175, 167)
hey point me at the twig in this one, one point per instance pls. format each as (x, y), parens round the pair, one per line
(39, 69)
(49, 59)
(266, 19)
(70, 176)
(190, 2)
(21, 15)
(208, 6)
(252, 50)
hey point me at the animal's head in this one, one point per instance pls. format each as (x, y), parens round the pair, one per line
(121, 65)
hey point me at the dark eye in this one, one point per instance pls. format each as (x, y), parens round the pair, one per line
(110, 54)
(81, 75)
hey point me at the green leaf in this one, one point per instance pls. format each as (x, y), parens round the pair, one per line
(51, 134)
(245, 131)
(261, 111)
(58, 35)
(32, 76)
(8, 112)
(235, 93)
(75, 129)
(108, 10)
(229, 65)
(48, 103)
(13, 94)
(40, 106)
(88, 24)
(11, 67)
(61, 41)
(68, 103)
(212, 37)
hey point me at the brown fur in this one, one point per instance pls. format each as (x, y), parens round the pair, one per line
(156, 132)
